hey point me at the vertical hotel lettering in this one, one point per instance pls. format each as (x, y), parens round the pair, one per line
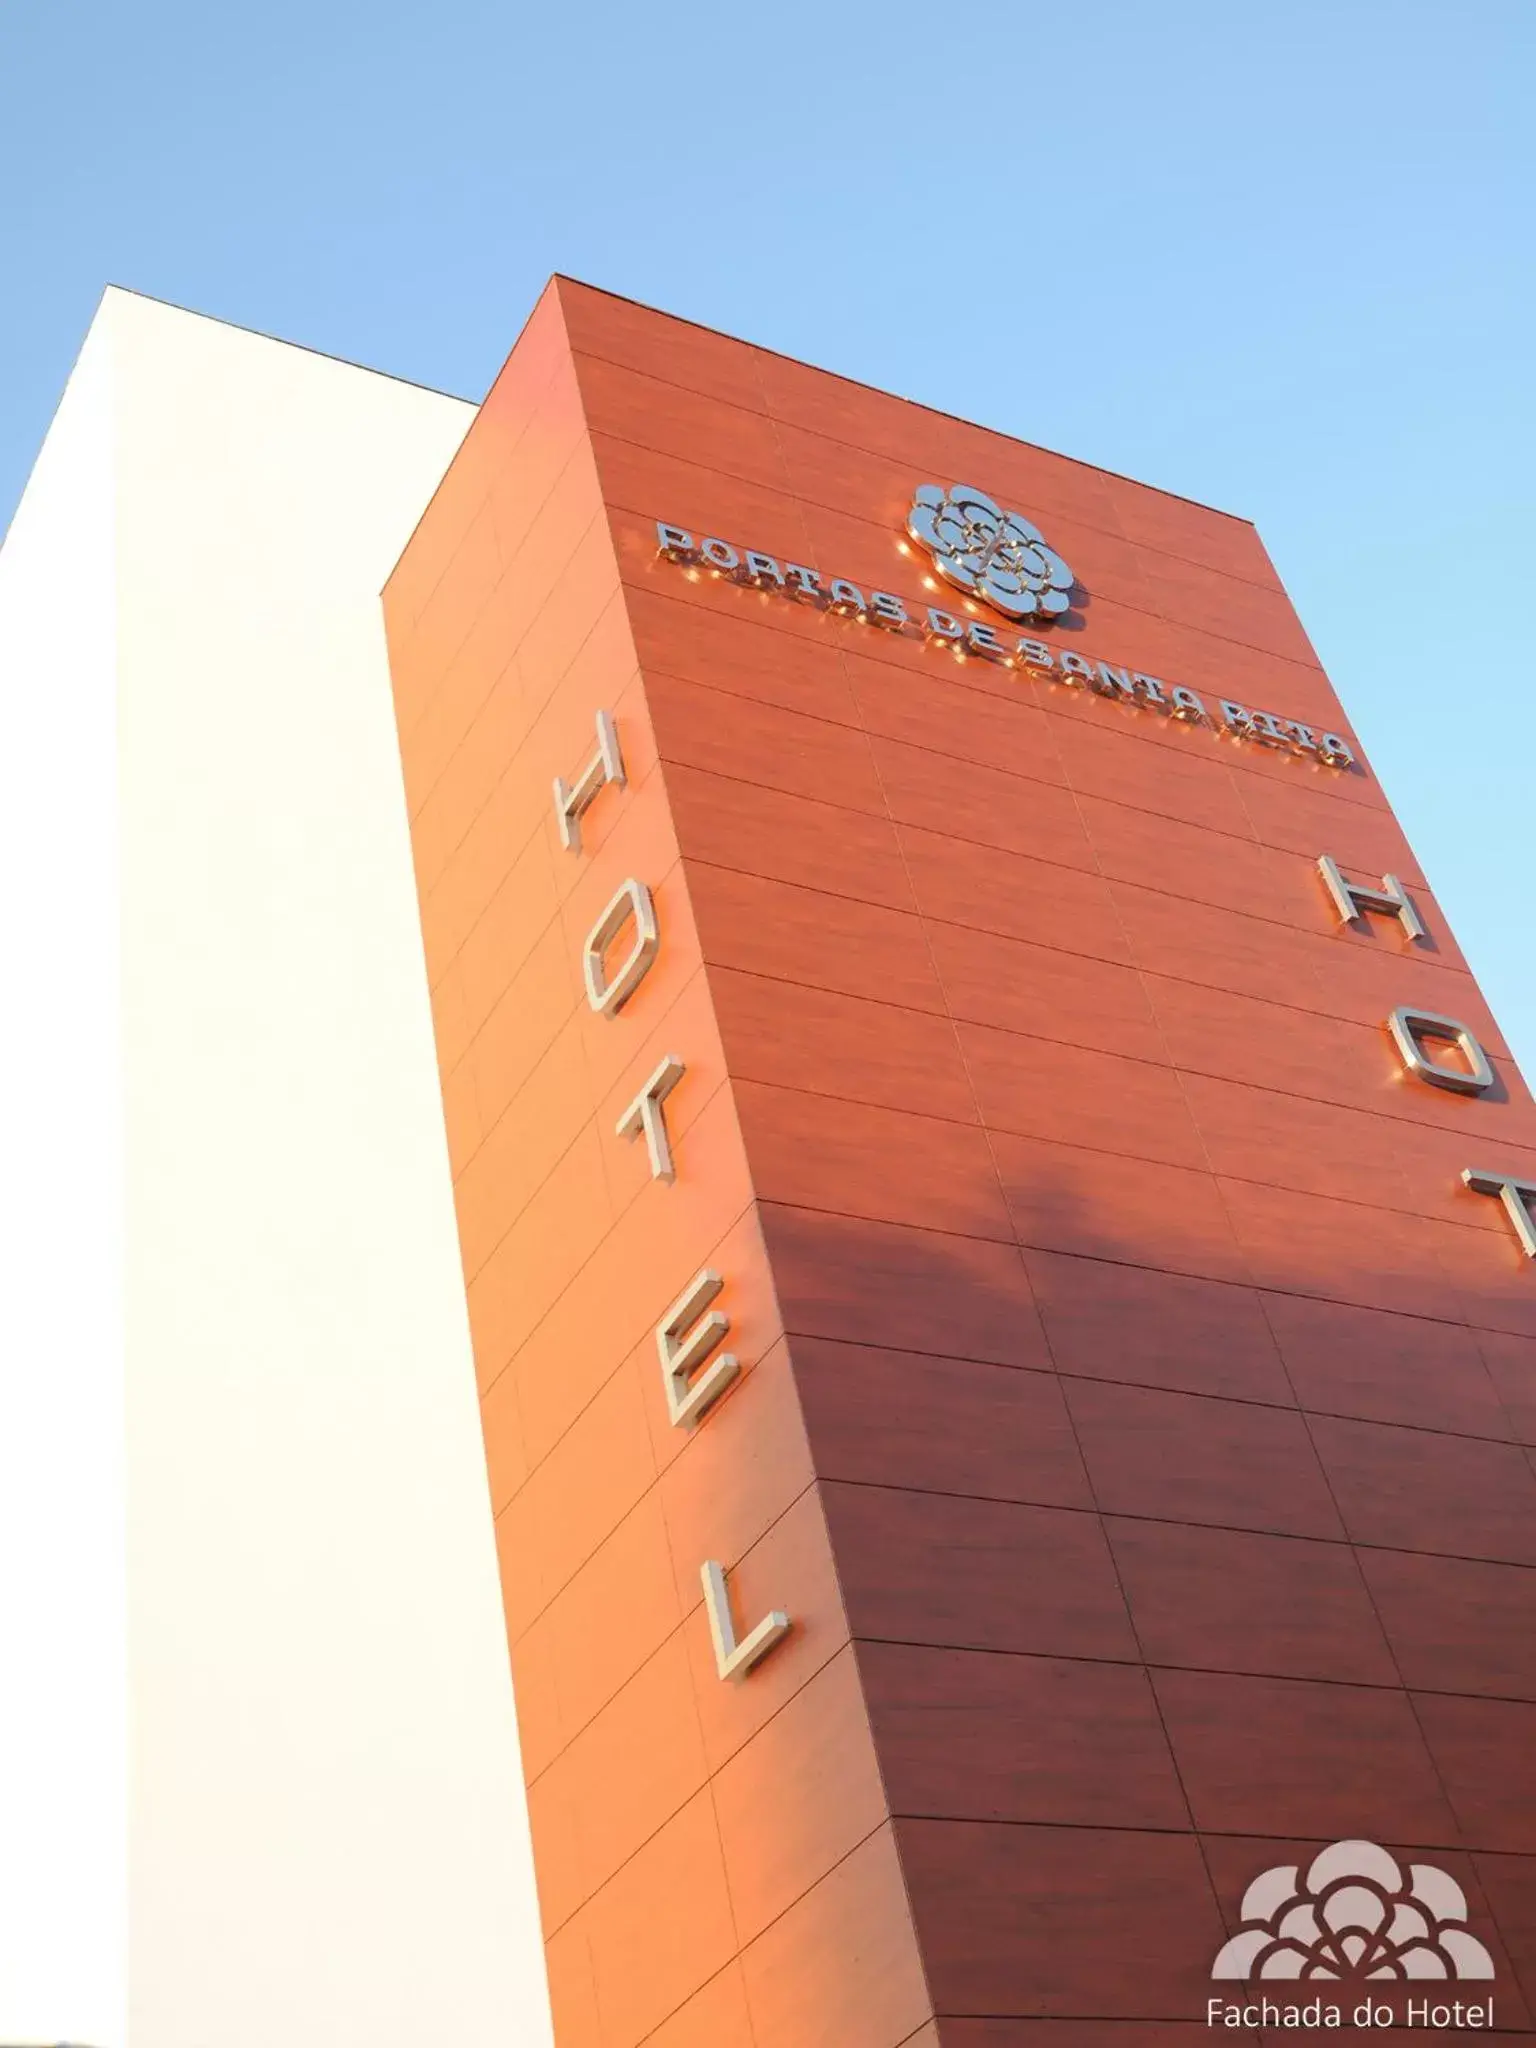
(1417, 1033)
(620, 950)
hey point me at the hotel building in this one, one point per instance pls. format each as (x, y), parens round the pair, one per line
(828, 1271)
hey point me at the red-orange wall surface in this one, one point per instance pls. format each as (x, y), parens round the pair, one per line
(1135, 1414)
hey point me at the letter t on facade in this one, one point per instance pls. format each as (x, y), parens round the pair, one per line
(1518, 1197)
(645, 1114)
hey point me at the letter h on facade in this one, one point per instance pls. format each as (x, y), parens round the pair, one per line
(1352, 899)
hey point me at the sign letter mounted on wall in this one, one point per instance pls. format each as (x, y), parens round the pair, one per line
(735, 1659)
(682, 1354)
(645, 1114)
(1518, 1197)
(608, 994)
(1352, 899)
(1410, 1029)
(606, 765)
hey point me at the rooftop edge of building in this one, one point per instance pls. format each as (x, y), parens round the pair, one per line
(559, 277)
(562, 277)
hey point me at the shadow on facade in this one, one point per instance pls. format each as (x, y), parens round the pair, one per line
(1294, 1520)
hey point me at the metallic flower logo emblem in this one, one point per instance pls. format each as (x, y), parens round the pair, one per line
(1354, 1915)
(993, 553)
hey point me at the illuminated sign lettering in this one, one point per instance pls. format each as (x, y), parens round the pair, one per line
(971, 638)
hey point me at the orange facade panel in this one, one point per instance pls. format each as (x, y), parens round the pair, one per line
(933, 1171)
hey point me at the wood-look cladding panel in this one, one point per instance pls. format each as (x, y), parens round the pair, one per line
(1134, 1408)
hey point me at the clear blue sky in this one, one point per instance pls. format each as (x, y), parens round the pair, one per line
(1277, 257)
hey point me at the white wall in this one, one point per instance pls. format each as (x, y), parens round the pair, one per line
(62, 1582)
(327, 1838)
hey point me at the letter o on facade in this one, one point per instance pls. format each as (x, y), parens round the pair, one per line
(607, 991)
(719, 554)
(1414, 1030)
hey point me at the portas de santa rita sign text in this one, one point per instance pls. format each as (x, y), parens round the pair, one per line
(1002, 560)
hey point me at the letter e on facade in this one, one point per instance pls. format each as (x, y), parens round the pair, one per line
(685, 1337)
